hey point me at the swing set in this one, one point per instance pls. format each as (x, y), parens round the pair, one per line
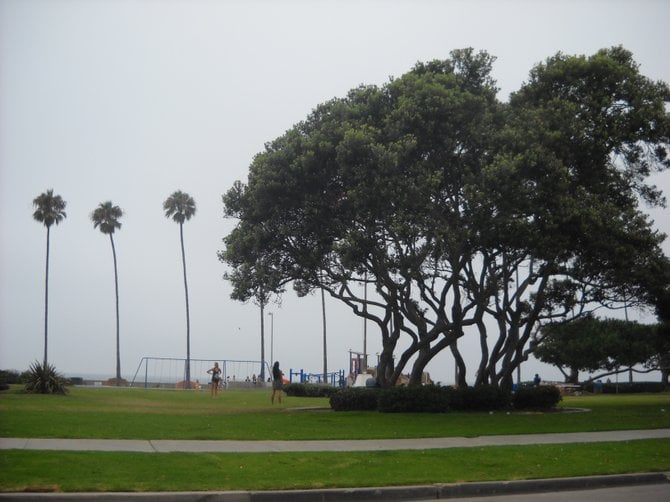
(170, 373)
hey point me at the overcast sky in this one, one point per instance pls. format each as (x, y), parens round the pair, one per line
(130, 100)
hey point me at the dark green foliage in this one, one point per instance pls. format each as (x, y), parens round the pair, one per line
(483, 398)
(591, 344)
(9, 376)
(544, 397)
(426, 399)
(421, 399)
(625, 388)
(44, 379)
(309, 390)
(429, 183)
(355, 399)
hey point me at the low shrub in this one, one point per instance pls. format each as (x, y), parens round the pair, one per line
(355, 399)
(422, 399)
(309, 390)
(44, 379)
(8, 377)
(543, 397)
(482, 398)
(425, 399)
(624, 387)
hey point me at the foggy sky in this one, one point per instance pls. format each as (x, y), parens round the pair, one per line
(131, 100)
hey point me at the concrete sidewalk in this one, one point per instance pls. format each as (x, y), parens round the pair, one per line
(166, 445)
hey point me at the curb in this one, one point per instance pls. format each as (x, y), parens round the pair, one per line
(435, 492)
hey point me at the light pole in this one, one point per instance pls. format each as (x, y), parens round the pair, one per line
(272, 337)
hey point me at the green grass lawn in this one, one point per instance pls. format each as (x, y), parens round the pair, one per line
(109, 471)
(167, 414)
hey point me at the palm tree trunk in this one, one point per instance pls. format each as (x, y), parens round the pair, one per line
(188, 320)
(116, 289)
(46, 300)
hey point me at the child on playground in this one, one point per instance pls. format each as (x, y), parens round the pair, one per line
(216, 378)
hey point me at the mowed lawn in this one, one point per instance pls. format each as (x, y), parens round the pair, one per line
(249, 415)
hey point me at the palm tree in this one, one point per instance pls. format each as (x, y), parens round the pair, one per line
(49, 209)
(106, 217)
(180, 206)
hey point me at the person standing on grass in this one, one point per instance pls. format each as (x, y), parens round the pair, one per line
(216, 378)
(277, 382)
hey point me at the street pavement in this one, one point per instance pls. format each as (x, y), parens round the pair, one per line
(549, 490)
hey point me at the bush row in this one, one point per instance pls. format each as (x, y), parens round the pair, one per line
(309, 390)
(434, 399)
(624, 388)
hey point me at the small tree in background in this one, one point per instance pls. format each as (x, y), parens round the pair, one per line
(610, 346)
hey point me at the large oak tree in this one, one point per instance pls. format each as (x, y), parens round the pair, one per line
(470, 217)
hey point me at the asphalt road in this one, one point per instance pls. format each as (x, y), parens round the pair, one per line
(659, 492)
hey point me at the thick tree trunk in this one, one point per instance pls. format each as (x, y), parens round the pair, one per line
(574, 376)
(460, 368)
(386, 367)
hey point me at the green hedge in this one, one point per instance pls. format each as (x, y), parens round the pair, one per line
(435, 399)
(625, 388)
(309, 390)
(543, 397)
(355, 399)
(425, 399)
(483, 398)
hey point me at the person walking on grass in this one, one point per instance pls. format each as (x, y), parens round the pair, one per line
(216, 378)
(277, 381)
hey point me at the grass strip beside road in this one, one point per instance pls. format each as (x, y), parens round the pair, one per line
(23, 470)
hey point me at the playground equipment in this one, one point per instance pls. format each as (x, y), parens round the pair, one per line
(357, 363)
(359, 373)
(334, 379)
(170, 372)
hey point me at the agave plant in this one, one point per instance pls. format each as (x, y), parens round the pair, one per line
(44, 379)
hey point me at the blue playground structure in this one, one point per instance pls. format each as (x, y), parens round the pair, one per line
(334, 379)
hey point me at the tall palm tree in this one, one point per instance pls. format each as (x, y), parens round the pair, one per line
(106, 217)
(49, 209)
(180, 206)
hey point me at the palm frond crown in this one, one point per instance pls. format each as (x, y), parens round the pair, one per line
(179, 206)
(49, 208)
(106, 216)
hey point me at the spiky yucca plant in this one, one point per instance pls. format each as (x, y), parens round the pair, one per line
(44, 379)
